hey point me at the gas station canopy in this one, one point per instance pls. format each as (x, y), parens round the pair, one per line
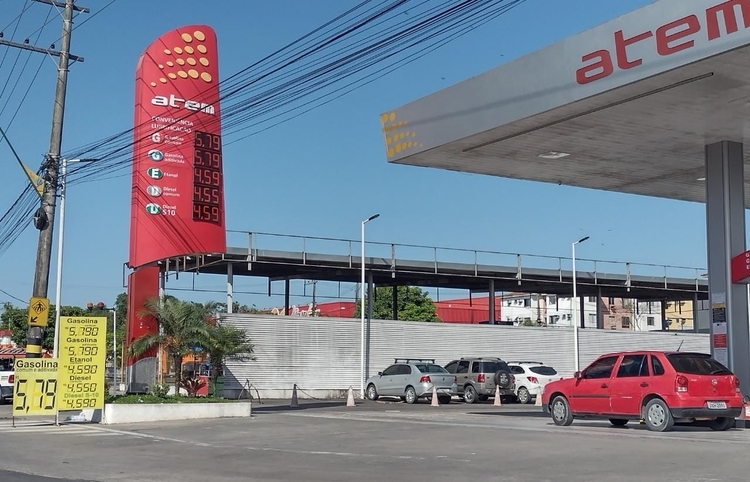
(627, 106)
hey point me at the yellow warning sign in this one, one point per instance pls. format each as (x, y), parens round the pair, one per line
(38, 312)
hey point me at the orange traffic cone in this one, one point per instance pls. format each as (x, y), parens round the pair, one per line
(538, 401)
(350, 398)
(294, 403)
(498, 402)
(435, 402)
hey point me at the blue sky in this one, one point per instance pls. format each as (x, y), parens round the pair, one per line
(323, 172)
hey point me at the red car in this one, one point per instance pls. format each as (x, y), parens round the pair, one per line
(660, 388)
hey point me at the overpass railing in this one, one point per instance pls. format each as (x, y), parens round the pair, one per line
(438, 255)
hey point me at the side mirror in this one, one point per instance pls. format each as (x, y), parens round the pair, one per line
(380, 374)
(578, 375)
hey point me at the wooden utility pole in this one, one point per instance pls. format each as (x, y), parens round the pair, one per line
(44, 219)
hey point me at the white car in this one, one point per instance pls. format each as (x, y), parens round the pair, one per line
(531, 377)
(6, 380)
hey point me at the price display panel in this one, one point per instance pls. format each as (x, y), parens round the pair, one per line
(207, 178)
(35, 386)
(83, 355)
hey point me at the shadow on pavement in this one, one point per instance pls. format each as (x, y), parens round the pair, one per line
(285, 407)
(513, 413)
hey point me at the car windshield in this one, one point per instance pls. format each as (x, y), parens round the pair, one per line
(429, 368)
(548, 371)
(492, 367)
(697, 364)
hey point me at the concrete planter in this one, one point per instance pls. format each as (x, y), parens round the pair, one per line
(153, 412)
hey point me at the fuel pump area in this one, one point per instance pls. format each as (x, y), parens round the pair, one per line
(655, 102)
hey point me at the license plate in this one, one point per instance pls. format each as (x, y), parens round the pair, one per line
(717, 405)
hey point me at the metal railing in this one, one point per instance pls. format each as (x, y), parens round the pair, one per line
(439, 255)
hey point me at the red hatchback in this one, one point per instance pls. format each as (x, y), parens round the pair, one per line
(660, 388)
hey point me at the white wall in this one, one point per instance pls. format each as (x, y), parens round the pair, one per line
(322, 355)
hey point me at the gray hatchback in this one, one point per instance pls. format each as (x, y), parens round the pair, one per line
(412, 379)
(477, 378)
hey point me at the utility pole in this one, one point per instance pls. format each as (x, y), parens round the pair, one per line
(44, 219)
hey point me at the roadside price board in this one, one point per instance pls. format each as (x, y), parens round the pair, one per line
(83, 352)
(35, 386)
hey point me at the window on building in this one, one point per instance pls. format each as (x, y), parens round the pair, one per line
(552, 299)
(592, 299)
(650, 321)
(611, 301)
(554, 319)
(612, 322)
(626, 322)
(527, 302)
(592, 319)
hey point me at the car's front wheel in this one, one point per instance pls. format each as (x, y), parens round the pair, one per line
(372, 392)
(560, 409)
(658, 416)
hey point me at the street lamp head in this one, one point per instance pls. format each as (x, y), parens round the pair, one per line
(582, 240)
(374, 216)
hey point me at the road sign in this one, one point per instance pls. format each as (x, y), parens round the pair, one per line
(83, 353)
(35, 386)
(38, 312)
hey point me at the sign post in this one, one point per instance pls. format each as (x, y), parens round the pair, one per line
(83, 354)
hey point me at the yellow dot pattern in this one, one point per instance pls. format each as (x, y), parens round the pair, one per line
(186, 60)
(398, 138)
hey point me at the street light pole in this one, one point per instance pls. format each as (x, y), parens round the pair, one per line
(60, 240)
(362, 310)
(575, 308)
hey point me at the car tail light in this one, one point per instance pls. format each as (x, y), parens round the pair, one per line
(682, 384)
(736, 384)
(12, 378)
(480, 378)
(425, 379)
(455, 379)
(533, 379)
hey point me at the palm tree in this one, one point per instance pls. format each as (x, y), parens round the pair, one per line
(226, 342)
(182, 327)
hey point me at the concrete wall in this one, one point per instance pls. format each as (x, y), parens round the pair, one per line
(322, 355)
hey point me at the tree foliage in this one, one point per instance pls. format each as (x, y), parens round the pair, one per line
(414, 304)
(182, 328)
(225, 342)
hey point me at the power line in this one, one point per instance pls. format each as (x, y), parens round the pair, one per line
(13, 297)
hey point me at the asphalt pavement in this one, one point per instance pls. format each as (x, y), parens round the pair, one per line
(327, 441)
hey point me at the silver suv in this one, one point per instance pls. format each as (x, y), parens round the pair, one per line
(477, 378)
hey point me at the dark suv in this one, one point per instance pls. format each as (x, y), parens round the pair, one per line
(477, 378)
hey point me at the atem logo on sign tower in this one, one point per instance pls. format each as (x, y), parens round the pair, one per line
(676, 36)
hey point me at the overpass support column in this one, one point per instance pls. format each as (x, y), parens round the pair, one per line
(599, 314)
(394, 302)
(725, 223)
(230, 287)
(491, 302)
(286, 297)
(582, 310)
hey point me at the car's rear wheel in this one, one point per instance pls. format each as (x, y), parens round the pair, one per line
(618, 422)
(470, 394)
(722, 423)
(560, 410)
(523, 395)
(411, 395)
(372, 392)
(658, 416)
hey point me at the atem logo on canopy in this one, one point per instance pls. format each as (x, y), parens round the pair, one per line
(676, 36)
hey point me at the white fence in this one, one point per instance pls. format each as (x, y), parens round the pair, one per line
(322, 355)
